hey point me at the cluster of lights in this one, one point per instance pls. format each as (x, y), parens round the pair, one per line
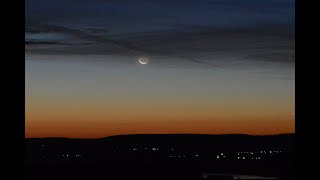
(221, 155)
(153, 149)
(241, 155)
(181, 156)
(178, 156)
(248, 154)
(67, 155)
(261, 152)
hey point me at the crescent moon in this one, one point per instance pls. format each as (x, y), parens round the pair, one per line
(142, 61)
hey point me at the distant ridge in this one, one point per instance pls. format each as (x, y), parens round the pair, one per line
(165, 135)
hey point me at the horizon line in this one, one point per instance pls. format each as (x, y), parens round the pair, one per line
(156, 134)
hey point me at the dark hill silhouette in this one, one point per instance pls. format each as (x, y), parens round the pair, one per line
(160, 156)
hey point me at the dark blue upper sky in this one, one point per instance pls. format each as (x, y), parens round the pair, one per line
(256, 30)
(146, 15)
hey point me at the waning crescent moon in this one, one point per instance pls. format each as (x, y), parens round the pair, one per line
(142, 61)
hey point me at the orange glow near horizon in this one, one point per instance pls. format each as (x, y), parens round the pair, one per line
(83, 121)
(89, 130)
(70, 99)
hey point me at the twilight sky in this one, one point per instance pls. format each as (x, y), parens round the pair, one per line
(215, 67)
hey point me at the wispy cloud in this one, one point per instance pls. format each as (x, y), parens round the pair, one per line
(222, 29)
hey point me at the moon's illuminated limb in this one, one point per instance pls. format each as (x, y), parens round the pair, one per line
(143, 61)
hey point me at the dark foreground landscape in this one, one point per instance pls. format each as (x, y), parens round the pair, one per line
(162, 157)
